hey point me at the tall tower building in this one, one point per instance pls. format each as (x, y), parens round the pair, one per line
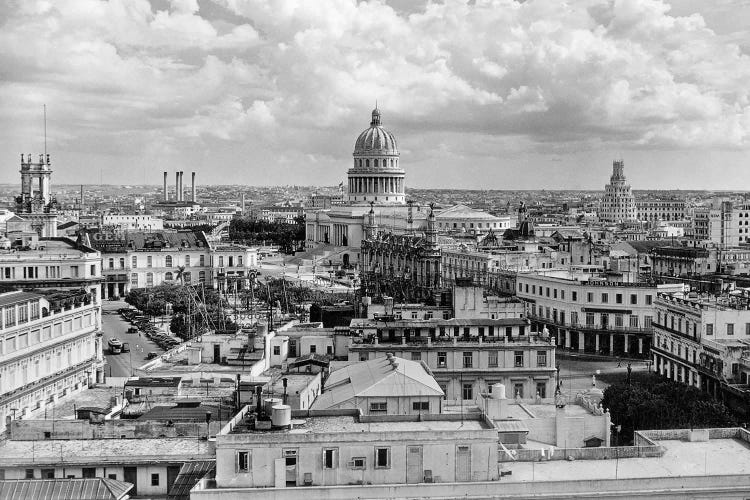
(618, 204)
(376, 175)
(36, 204)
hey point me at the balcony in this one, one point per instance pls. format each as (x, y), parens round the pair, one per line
(595, 327)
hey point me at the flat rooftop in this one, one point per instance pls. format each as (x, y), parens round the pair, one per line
(682, 458)
(347, 423)
(103, 451)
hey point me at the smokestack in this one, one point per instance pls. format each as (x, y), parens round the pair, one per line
(192, 189)
(182, 194)
(81, 207)
(176, 186)
(166, 195)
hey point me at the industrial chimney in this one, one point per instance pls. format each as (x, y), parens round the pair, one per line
(176, 186)
(166, 194)
(192, 189)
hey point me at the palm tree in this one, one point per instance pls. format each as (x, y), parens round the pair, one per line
(181, 274)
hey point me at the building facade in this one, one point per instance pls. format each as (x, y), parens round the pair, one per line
(466, 356)
(660, 210)
(50, 346)
(591, 313)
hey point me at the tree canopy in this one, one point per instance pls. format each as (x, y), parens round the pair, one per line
(250, 231)
(653, 402)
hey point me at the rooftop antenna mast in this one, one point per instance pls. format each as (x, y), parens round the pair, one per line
(45, 130)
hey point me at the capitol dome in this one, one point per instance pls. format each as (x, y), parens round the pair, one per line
(375, 140)
(376, 175)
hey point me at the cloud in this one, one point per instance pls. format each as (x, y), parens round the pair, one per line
(297, 78)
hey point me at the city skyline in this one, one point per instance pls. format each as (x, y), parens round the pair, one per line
(275, 95)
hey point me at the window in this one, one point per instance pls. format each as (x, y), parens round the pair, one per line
(111, 263)
(618, 298)
(541, 389)
(187, 261)
(243, 461)
(382, 458)
(379, 407)
(492, 360)
(416, 356)
(168, 261)
(575, 296)
(74, 271)
(154, 479)
(730, 328)
(186, 277)
(29, 473)
(168, 276)
(358, 463)
(442, 359)
(201, 276)
(112, 476)
(276, 350)
(149, 261)
(541, 358)
(313, 348)
(468, 391)
(518, 390)
(648, 300)
(202, 261)
(34, 310)
(420, 406)
(709, 329)
(747, 328)
(633, 299)
(10, 316)
(88, 472)
(134, 279)
(122, 262)
(518, 359)
(468, 360)
(605, 298)
(221, 261)
(330, 458)
(134, 261)
(590, 297)
(589, 318)
(149, 278)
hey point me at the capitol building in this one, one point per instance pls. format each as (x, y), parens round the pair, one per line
(375, 182)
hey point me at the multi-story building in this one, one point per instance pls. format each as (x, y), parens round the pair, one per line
(405, 267)
(703, 340)
(618, 204)
(281, 213)
(132, 222)
(50, 346)
(660, 209)
(137, 259)
(592, 313)
(466, 356)
(723, 223)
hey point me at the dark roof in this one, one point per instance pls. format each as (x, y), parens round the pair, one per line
(98, 488)
(152, 241)
(645, 246)
(310, 359)
(7, 299)
(190, 474)
(67, 225)
(182, 413)
(154, 382)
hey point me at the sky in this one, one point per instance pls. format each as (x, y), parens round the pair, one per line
(480, 94)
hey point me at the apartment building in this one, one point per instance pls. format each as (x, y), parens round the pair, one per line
(703, 340)
(50, 346)
(594, 313)
(660, 209)
(466, 356)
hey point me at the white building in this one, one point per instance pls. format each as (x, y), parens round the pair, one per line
(133, 222)
(618, 204)
(49, 347)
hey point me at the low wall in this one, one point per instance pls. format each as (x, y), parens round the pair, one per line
(734, 486)
(601, 453)
(36, 430)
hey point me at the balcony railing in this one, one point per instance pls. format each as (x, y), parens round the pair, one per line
(591, 327)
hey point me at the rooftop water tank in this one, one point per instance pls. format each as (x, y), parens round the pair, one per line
(269, 403)
(281, 415)
(498, 391)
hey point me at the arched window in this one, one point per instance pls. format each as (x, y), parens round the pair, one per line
(168, 261)
(360, 162)
(168, 276)
(376, 163)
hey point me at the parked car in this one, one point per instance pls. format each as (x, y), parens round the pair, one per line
(152, 355)
(125, 347)
(132, 329)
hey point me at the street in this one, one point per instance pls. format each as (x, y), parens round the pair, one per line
(121, 365)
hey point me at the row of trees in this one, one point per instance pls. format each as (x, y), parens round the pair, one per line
(653, 402)
(288, 237)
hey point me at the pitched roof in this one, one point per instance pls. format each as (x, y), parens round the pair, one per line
(98, 488)
(379, 377)
(463, 212)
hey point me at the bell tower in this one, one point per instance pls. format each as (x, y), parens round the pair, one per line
(36, 203)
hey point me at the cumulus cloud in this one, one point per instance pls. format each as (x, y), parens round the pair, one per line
(296, 79)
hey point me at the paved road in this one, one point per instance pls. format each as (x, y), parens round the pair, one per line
(119, 365)
(576, 372)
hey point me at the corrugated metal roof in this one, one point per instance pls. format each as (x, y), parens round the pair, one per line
(64, 489)
(190, 474)
(511, 426)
